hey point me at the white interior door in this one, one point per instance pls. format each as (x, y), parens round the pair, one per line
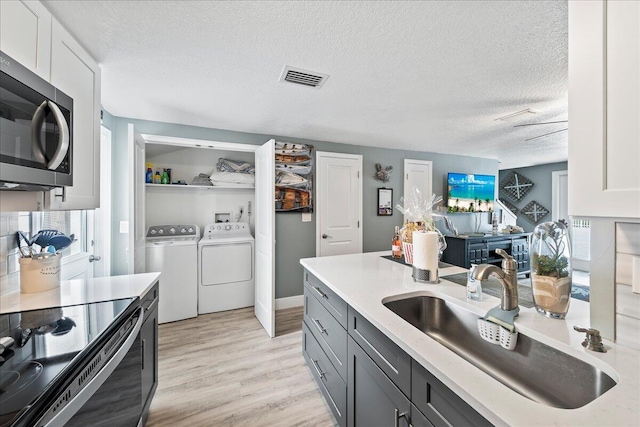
(265, 231)
(137, 230)
(339, 204)
(418, 173)
(560, 195)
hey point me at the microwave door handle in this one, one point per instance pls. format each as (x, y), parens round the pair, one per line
(75, 404)
(63, 140)
(38, 121)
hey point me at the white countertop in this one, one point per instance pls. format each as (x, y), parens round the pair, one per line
(80, 291)
(364, 280)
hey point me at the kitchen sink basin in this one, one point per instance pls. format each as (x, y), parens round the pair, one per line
(533, 369)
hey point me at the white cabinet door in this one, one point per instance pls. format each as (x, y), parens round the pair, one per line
(25, 34)
(604, 106)
(75, 73)
(265, 222)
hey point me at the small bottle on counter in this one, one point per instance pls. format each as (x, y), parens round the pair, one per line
(165, 177)
(157, 179)
(396, 244)
(474, 287)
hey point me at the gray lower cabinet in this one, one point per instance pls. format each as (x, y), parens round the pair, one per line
(439, 404)
(329, 381)
(373, 400)
(418, 419)
(367, 379)
(149, 348)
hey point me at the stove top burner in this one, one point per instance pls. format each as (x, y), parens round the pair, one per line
(12, 382)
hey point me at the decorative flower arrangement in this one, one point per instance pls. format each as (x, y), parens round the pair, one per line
(418, 210)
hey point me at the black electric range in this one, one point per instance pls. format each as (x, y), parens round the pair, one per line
(50, 344)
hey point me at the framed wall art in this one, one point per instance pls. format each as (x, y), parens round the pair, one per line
(385, 201)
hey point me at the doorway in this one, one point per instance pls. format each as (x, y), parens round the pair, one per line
(339, 207)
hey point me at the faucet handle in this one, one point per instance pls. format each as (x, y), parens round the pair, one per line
(593, 340)
(504, 254)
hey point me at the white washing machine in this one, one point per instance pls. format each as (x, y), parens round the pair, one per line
(173, 251)
(226, 279)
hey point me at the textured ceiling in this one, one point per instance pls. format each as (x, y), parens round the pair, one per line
(427, 76)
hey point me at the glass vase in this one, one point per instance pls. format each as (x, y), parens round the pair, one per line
(551, 269)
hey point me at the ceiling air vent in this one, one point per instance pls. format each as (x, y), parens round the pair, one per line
(303, 77)
(517, 115)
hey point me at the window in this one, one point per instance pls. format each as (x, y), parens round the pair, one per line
(580, 239)
(67, 222)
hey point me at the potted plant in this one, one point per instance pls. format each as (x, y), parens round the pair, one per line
(551, 269)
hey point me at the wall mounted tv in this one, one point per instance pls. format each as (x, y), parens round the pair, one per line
(470, 192)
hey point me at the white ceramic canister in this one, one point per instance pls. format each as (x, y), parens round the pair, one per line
(39, 274)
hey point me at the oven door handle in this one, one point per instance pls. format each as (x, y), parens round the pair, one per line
(75, 404)
(63, 139)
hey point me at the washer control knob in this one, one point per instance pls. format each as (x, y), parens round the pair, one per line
(218, 228)
(237, 227)
(227, 227)
(153, 231)
(183, 230)
(172, 230)
(161, 231)
(190, 230)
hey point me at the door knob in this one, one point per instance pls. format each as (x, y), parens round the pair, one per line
(94, 258)
(324, 236)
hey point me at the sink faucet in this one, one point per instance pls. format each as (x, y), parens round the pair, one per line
(507, 276)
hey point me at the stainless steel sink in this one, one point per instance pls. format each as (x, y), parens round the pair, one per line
(533, 369)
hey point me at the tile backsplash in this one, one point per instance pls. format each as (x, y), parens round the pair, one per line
(10, 223)
(627, 301)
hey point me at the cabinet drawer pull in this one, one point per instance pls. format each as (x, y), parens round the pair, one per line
(397, 416)
(319, 326)
(319, 291)
(151, 304)
(317, 368)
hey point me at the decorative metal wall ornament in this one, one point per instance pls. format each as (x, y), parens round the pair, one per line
(516, 186)
(534, 212)
(382, 174)
(513, 208)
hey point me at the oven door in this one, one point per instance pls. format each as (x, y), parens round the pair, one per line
(112, 396)
(35, 129)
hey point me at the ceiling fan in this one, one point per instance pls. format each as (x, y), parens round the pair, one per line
(544, 123)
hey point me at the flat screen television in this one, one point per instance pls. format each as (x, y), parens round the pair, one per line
(470, 192)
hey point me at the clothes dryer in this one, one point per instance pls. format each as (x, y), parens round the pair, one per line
(226, 274)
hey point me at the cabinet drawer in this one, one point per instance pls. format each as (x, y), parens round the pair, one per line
(441, 406)
(330, 383)
(333, 303)
(331, 336)
(387, 355)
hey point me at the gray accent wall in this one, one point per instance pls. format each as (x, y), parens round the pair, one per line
(294, 239)
(541, 192)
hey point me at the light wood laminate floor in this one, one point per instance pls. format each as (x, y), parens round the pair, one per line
(222, 369)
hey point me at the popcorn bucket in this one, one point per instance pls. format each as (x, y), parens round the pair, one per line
(407, 250)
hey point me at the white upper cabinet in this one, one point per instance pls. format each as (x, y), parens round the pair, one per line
(604, 108)
(25, 34)
(77, 74)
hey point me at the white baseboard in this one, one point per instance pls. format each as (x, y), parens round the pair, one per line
(289, 302)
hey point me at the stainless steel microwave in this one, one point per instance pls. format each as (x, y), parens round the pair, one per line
(36, 133)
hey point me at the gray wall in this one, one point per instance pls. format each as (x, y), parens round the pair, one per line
(541, 192)
(294, 239)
